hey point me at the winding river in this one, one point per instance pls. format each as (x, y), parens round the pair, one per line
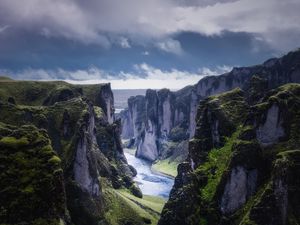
(149, 182)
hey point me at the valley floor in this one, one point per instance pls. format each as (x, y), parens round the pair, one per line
(149, 181)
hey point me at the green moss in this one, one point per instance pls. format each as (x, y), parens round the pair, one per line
(14, 142)
(54, 160)
(30, 190)
(233, 104)
(98, 111)
(216, 164)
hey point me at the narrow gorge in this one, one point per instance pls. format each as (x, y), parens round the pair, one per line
(223, 151)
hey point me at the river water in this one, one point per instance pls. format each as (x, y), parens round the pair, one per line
(149, 182)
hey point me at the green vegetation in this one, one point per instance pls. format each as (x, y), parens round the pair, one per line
(4, 78)
(98, 111)
(37, 93)
(154, 203)
(215, 166)
(231, 103)
(123, 207)
(13, 142)
(37, 168)
(166, 166)
(31, 186)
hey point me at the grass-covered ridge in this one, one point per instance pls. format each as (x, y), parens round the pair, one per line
(125, 208)
(46, 92)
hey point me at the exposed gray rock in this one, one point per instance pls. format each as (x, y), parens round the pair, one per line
(147, 148)
(193, 113)
(281, 193)
(83, 174)
(127, 124)
(178, 109)
(269, 132)
(239, 187)
(108, 102)
(215, 133)
(166, 117)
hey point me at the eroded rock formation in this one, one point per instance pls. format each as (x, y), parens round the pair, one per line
(154, 117)
(70, 135)
(237, 172)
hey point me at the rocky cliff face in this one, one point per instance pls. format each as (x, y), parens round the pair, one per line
(161, 114)
(237, 172)
(70, 132)
(84, 173)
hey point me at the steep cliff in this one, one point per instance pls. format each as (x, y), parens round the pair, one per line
(167, 116)
(243, 162)
(84, 140)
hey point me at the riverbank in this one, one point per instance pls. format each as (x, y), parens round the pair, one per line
(150, 182)
(165, 168)
(124, 205)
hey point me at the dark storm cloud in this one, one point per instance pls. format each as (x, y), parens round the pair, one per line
(92, 21)
(41, 39)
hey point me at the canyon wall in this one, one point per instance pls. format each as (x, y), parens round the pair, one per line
(161, 115)
(62, 147)
(243, 162)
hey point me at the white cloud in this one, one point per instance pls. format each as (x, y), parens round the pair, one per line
(124, 42)
(90, 21)
(146, 53)
(143, 76)
(170, 46)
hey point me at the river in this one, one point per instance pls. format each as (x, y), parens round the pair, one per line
(149, 182)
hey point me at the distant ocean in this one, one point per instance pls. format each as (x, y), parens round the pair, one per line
(121, 97)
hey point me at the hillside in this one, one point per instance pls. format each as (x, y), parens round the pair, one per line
(62, 159)
(243, 163)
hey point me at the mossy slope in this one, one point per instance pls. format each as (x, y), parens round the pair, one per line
(76, 119)
(233, 175)
(32, 188)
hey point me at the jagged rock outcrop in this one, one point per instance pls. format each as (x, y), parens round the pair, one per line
(84, 140)
(173, 110)
(147, 147)
(236, 172)
(86, 147)
(269, 132)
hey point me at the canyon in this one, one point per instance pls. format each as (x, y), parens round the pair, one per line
(227, 147)
(159, 121)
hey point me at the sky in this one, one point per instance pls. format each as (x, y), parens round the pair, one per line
(142, 43)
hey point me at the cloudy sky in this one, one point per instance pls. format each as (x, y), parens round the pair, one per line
(168, 43)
